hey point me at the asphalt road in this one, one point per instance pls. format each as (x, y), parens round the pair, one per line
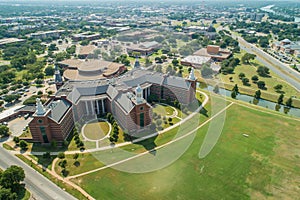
(288, 74)
(39, 186)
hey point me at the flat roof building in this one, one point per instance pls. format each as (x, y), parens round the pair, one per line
(214, 52)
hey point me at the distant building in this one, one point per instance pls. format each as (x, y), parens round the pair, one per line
(46, 34)
(145, 49)
(195, 61)
(90, 69)
(214, 52)
(6, 41)
(125, 97)
(86, 36)
(86, 51)
(288, 47)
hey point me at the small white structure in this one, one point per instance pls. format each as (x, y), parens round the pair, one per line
(40, 110)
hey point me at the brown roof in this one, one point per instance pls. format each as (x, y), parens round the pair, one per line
(222, 53)
(85, 50)
(90, 69)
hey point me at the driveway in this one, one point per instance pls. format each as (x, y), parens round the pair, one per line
(17, 125)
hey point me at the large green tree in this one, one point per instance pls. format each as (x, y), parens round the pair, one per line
(4, 131)
(12, 177)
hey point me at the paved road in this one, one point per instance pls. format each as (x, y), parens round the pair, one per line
(288, 74)
(40, 187)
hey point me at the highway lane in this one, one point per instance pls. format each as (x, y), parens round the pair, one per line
(40, 187)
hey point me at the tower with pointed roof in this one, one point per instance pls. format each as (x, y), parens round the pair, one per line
(57, 78)
(40, 110)
(137, 63)
(139, 94)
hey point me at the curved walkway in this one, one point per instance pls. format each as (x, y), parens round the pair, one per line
(154, 149)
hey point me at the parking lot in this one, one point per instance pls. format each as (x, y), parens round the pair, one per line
(17, 125)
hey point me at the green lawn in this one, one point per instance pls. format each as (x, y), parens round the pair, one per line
(86, 162)
(163, 110)
(238, 167)
(96, 130)
(250, 70)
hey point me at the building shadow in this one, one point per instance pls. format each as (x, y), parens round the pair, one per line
(204, 112)
(149, 145)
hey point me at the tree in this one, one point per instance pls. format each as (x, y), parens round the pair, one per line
(263, 71)
(12, 97)
(206, 71)
(247, 57)
(4, 131)
(233, 94)
(23, 145)
(52, 47)
(49, 71)
(278, 87)
(235, 88)
(63, 163)
(175, 62)
(280, 99)
(1, 103)
(241, 75)
(245, 81)
(254, 78)
(61, 155)
(6, 194)
(75, 156)
(216, 89)
(11, 178)
(261, 84)
(257, 94)
(289, 102)
(16, 140)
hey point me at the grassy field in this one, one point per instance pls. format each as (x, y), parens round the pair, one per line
(250, 70)
(257, 167)
(86, 162)
(96, 130)
(163, 110)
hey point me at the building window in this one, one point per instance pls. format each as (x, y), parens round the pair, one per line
(40, 121)
(142, 108)
(142, 123)
(44, 134)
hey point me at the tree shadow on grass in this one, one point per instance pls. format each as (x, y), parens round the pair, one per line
(149, 145)
(204, 112)
(45, 162)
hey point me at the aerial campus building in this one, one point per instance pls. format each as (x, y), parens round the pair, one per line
(124, 96)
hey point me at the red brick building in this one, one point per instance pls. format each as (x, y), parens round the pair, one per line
(125, 97)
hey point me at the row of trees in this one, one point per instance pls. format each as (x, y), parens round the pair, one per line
(114, 136)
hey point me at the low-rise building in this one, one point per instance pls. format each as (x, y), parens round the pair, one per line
(287, 46)
(86, 36)
(81, 70)
(214, 52)
(145, 49)
(46, 34)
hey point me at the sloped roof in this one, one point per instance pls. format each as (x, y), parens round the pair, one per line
(176, 82)
(58, 109)
(126, 103)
